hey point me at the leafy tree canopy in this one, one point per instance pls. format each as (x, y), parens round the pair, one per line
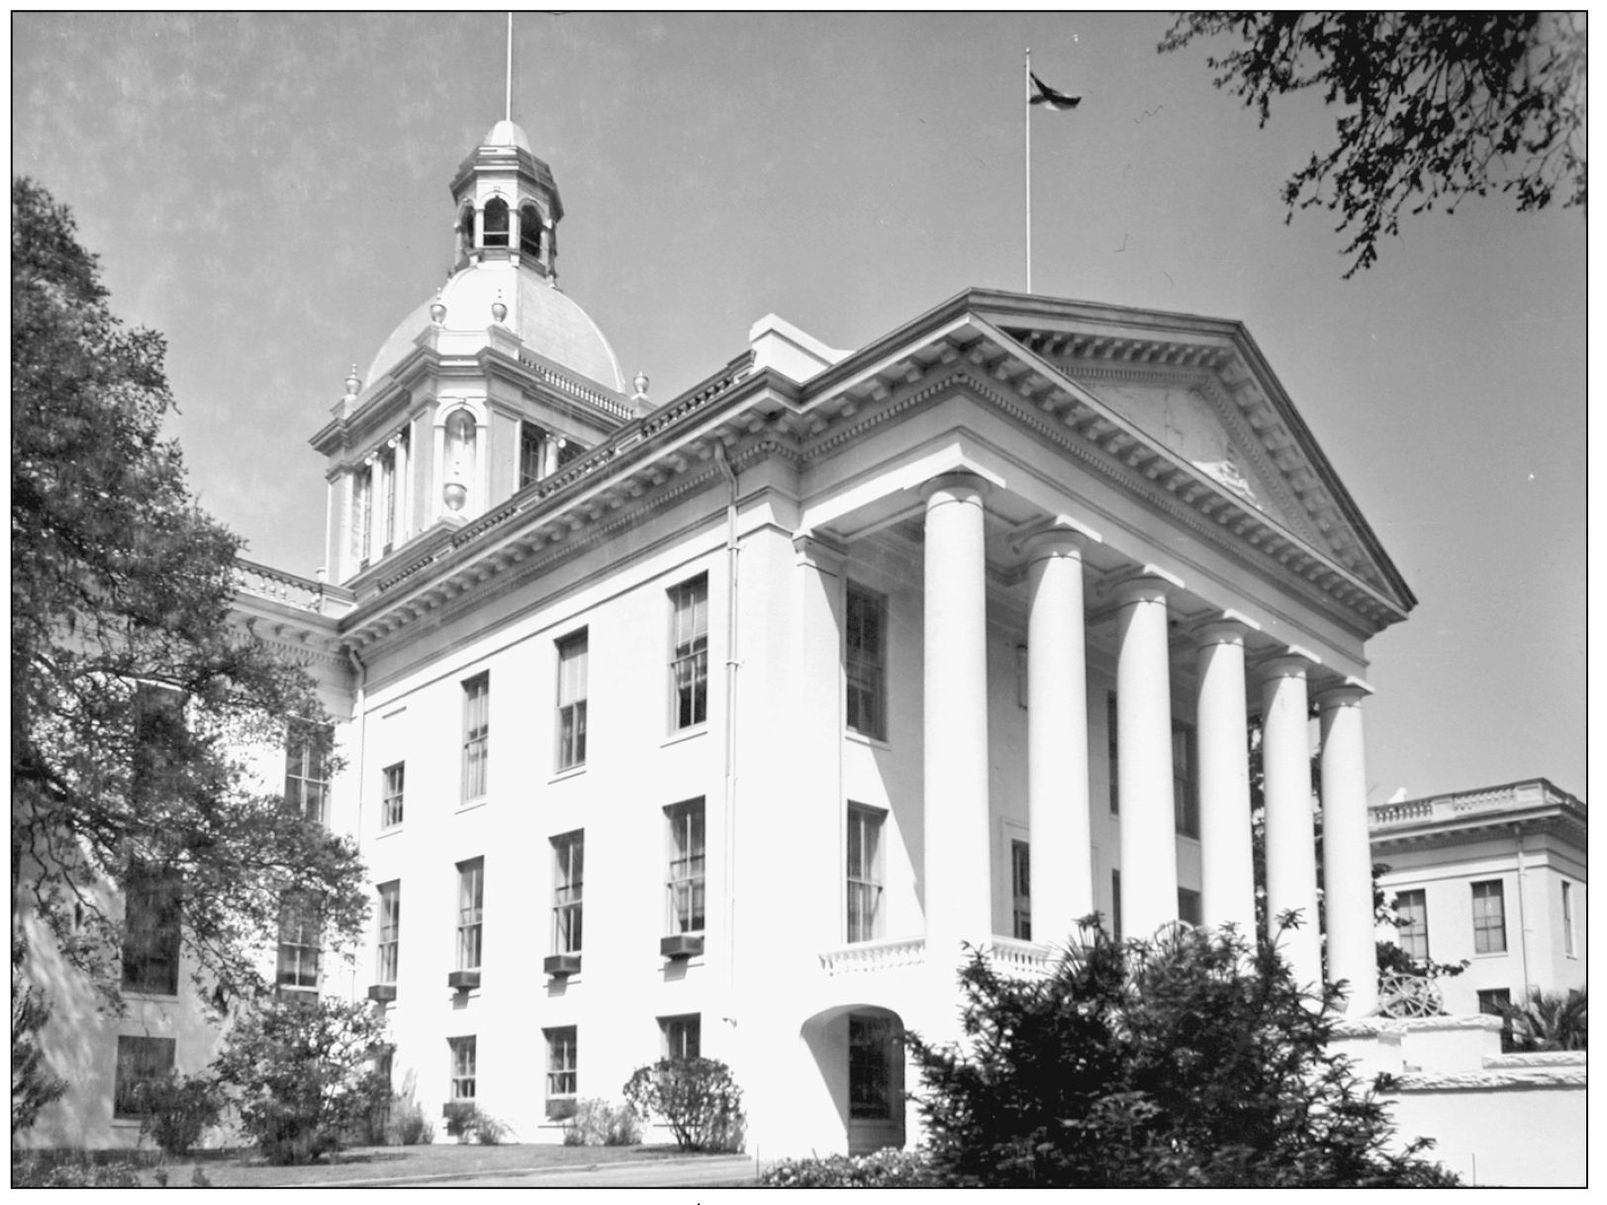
(131, 693)
(1186, 1060)
(1438, 106)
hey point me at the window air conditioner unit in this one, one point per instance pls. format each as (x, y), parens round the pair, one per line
(681, 945)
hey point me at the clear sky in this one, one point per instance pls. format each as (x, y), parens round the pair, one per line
(270, 192)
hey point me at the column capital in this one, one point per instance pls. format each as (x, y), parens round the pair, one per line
(1223, 627)
(955, 482)
(1345, 693)
(1055, 535)
(1291, 661)
(819, 552)
(1142, 583)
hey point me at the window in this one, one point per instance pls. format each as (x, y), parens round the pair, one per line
(872, 1046)
(1116, 904)
(864, 873)
(471, 912)
(685, 884)
(466, 229)
(1114, 761)
(496, 223)
(1412, 931)
(476, 735)
(529, 230)
(561, 1072)
(1021, 890)
(1568, 920)
(139, 1061)
(1493, 1002)
(689, 652)
(572, 700)
(866, 649)
(683, 1036)
(1489, 918)
(151, 932)
(390, 930)
(1185, 796)
(465, 1055)
(390, 806)
(159, 737)
(306, 772)
(532, 454)
(300, 938)
(568, 873)
(1188, 906)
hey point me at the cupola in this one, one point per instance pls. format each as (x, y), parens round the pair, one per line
(506, 203)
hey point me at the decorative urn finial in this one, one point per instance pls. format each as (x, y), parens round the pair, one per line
(498, 310)
(438, 309)
(640, 383)
(354, 383)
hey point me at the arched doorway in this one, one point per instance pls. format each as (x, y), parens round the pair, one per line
(859, 1051)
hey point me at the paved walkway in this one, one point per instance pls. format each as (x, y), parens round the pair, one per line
(703, 1171)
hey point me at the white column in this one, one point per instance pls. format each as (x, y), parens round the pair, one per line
(1291, 856)
(404, 491)
(1227, 869)
(955, 761)
(1347, 861)
(1144, 759)
(1057, 735)
(815, 847)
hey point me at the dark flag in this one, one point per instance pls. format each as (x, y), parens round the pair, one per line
(1043, 94)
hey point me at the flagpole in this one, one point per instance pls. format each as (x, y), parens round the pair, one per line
(1027, 119)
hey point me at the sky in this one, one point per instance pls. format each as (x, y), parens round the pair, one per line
(270, 192)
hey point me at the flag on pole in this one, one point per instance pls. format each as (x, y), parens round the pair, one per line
(1043, 94)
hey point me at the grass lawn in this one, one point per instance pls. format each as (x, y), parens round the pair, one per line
(412, 1162)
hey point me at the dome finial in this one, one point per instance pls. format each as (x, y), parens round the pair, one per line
(354, 383)
(507, 108)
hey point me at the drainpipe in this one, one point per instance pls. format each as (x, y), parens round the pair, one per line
(1523, 928)
(362, 748)
(722, 461)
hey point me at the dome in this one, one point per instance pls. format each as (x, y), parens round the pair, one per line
(546, 321)
(507, 133)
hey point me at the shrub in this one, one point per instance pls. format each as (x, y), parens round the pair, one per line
(1186, 1060)
(696, 1098)
(1549, 1021)
(303, 1076)
(33, 1171)
(406, 1124)
(884, 1169)
(465, 1120)
(598, 1123)
(178, 1109)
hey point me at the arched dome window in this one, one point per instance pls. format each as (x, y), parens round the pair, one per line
(466, 230)
(496, 222)
(529, 230)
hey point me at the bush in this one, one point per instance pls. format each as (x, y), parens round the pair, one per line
(465, 1120)
(696, 1098)
(885, 1169)
(1549, 1021)
(303, 1075)
(405, 1123)
(178, 1109)
(598, 1123)
(1186, 1060)
(33, 1171)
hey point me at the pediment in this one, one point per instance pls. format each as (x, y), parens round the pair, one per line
(1178, 415)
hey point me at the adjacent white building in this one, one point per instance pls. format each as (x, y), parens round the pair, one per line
(722, 724)
(1493, 877)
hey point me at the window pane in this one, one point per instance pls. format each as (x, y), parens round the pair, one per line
(471, 898)
(863, 874)
(689, 663)
(476, 735)
(872, 1046)
(390, 928)
(684, 883)
(464, 1065)
(864, 628)
(139, 1061)
(151, 932)
(1489, 918)
(1021, 890)
(562, 1071)
(1412, 909)
(391, 802)
(567, 892)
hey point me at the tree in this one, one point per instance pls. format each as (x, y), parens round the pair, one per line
(132, 696)
(303, 1073)
(33, 1085)
(1438, 106)
(1187, 1060)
